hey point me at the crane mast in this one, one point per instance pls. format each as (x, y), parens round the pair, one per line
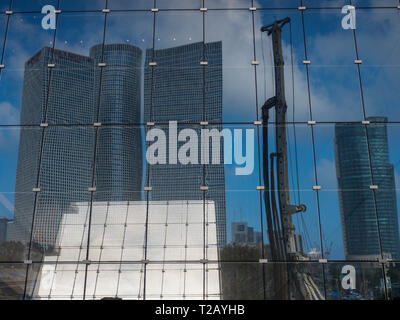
(296, 284)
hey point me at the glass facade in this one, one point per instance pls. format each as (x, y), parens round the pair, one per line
(199, 149)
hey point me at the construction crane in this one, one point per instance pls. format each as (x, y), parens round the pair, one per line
(290, 282)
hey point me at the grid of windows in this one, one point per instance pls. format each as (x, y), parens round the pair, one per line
(86, 214)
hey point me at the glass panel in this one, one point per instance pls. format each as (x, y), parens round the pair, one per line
(77, 5)
(268, 281)
(65, 175)
(119, 158)
(24, 92)
(73, 94)
(122, 92)
(65, 281)
(354, 281)
(393, 280)
(71, 239)
(12, 280)
(70, 37)
(115, 281)
(384, 152)
(325, 4)
(330, 196)
(301, 180)
(175, 194)
(343, 161)
(239, 153)
(3, 23)
(241, 237)
(134, 243)
(174, 281)
(378, 48)
(130, 28)
(33, 5)
(66, 166)
(4, 5)
(334, 82)
(213, 283)
(229, 34)
(55, 281)
(175, 231)
(176, 210)
(251, 284)
(16, 226)
(176, 83)
(232, 199)
(118, 229)
(19, 154)
(372, 3)
(131, 282)
(277, 3)
(228, 4)
(294, 73)
(18, 143)
(60, 226)
(177, 4)
(175, 28)
(130, 5)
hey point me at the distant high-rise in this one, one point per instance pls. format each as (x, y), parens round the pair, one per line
(357, 206)
(119, 153)
(243, 234)
(180, 89)
(67, 152)
(239, 232)
(3, 229)
(70, 95)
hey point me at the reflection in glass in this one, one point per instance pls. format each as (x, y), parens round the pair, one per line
(377, 44)
(333, 76)
(174, 234)
(106, 191)
(355, 281)
(25, 38)
(370, 223)
(12, 278)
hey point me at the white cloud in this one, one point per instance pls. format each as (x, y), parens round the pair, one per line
(8, 113)
(6, 203)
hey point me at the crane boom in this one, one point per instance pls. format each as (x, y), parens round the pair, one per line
(299, 285)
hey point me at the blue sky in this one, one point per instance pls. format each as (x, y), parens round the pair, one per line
(334, 85)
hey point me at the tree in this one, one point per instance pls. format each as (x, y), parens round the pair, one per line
(243, 277)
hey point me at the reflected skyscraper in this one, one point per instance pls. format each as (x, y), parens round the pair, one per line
(119, 153)
(357, 205)
(3, 229)
(180, 89)
(69, 94)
